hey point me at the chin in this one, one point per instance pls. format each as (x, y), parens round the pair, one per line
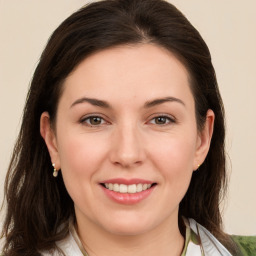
(129, 227)
(128, 230)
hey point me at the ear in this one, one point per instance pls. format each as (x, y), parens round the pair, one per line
(204, 139)
(49, 137)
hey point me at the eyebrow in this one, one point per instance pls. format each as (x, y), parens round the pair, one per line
(159, 101)
(92, 101)
(104, 104)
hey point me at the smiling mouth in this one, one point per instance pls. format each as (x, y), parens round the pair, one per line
(127, 189)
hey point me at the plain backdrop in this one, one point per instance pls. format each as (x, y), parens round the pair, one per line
(229, 29)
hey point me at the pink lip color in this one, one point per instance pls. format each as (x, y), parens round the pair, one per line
(127, 181)
(126, 198)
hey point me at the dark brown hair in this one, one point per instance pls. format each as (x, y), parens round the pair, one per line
(38, 206)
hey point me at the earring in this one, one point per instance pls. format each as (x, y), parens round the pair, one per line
(55, 172)
(198, 167)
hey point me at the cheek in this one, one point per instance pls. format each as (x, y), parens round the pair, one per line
(174, 151)
(80, 155)
(174, 158)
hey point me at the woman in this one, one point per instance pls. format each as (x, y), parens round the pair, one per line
(121, 149)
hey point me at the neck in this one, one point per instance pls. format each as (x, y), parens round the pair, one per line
(165, 240)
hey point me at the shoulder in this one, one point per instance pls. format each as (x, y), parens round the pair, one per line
(210, 245)
(246, 244)
(67, 247)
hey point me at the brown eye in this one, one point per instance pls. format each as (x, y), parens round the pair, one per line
(93, 121)
(162, 120)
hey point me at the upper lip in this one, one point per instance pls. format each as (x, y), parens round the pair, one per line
(127, 181)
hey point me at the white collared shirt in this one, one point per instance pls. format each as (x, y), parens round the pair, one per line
(199, 242)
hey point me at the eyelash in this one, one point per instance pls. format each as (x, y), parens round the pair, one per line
(88, 120)
(168, 120)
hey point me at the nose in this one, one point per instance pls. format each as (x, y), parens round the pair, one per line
(127, 149)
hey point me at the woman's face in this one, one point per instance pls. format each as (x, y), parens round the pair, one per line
(126, 138)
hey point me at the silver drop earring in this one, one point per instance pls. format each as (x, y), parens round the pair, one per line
(55, 172)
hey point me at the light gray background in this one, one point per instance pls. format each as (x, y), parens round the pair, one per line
(228, 26)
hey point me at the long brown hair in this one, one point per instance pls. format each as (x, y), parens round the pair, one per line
(38, 206)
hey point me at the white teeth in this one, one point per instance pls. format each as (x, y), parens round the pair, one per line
(145, 186)
(123, 188)
(116, 187)
(130, 189)
(139, 188)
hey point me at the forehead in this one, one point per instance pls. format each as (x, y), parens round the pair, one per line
(141, 71)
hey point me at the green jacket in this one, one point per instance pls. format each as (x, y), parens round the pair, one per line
(199, 241)
(246, 244)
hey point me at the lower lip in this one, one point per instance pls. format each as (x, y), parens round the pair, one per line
(126, 198)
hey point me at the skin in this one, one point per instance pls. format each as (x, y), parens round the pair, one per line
(128, 141)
